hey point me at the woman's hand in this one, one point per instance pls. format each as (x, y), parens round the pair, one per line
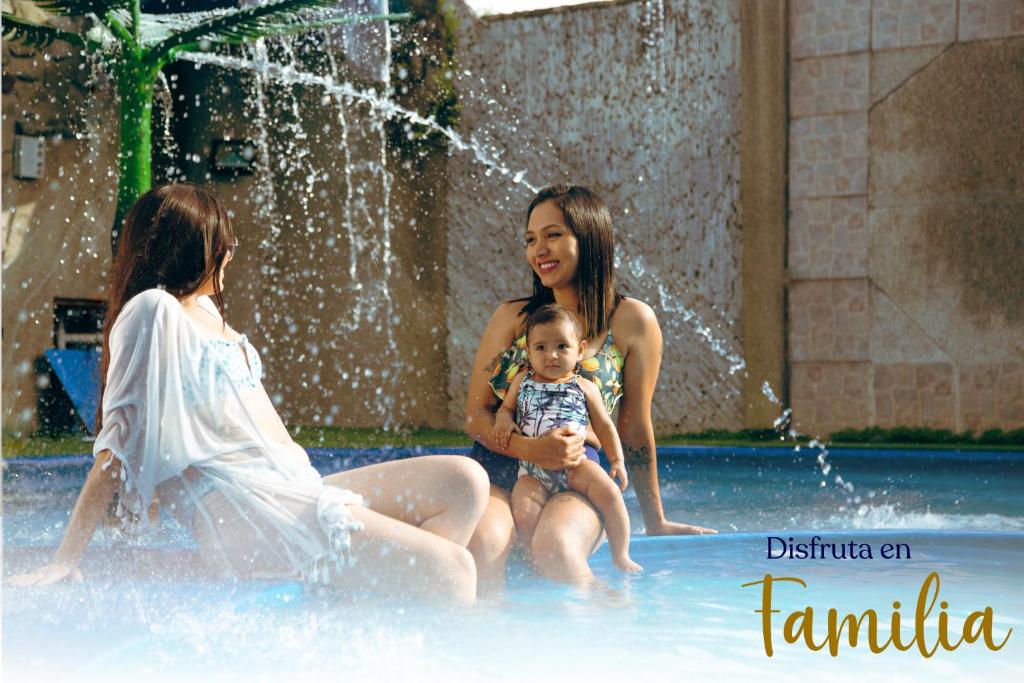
(504, 426)
(667, 528)
(558, 449)
(90, 509)
(48, 575)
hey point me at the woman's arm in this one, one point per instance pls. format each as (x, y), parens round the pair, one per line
(639, 332)
(557, 449)
(605, 430)
(505, 418)
(89, 511)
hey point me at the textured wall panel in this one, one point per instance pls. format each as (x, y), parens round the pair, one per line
(639, 101)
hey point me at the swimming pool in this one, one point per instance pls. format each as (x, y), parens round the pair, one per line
(961, 514)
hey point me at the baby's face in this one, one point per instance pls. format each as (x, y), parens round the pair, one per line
(554, 349)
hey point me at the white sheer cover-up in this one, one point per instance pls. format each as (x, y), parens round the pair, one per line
(187, 416)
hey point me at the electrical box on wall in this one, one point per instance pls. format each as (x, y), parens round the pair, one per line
(29, 152)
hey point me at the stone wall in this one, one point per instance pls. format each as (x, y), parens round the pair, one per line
(906, 214)
(904, 227)
(640, 102)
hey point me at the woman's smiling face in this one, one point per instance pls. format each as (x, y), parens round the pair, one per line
(551, 248)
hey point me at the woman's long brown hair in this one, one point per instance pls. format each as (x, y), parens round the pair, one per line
(175, 237)
(590, 222)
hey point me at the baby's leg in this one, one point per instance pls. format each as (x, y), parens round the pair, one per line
(594, 483)
(528, 499)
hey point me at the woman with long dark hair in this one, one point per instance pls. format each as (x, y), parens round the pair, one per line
(570, 247)
(185, 419)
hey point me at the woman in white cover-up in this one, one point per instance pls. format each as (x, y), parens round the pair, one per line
(185, 420)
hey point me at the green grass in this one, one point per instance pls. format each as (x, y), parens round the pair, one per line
(897, 438)
(914, 435)
(339, 437)
(67, 444)
(308, 437)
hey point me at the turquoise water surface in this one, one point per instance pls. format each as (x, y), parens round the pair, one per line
(144, 611)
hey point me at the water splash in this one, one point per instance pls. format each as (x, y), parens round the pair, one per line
(652, 27)
(671, 304)
(783, 425)
(162, 95)
(288, 73)
(283, 71)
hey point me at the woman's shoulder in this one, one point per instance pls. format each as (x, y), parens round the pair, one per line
(151, 301)
(511, 309)
(633, 319)
(632, 313)
(509, 317)
(151, 306)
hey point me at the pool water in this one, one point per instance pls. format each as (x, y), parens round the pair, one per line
(686, 617)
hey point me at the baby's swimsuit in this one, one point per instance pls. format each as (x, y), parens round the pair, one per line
(541, 406)
(604, 369)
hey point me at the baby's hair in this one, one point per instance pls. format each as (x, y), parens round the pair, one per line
(553, 313)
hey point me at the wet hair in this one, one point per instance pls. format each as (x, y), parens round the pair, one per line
(175, 237)
(553, 313)
(589, 220)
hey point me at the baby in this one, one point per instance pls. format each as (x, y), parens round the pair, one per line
(550, 395)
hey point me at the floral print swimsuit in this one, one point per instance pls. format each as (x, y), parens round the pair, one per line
(603, 369)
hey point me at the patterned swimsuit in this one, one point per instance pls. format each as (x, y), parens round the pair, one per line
(604, 369)
(541, 406)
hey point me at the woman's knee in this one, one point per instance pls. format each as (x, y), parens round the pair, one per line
(495, 531)
(554, 550)
(456, 574)
(567, 531)
(466, 480)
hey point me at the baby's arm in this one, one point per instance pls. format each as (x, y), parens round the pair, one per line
(606, 432)
(505, 418)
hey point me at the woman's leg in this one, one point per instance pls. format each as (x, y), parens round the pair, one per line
(567, 533)
(443, 494)
(395, 559)
(389, 557)
(492, 540)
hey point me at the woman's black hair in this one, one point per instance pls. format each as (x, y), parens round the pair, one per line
(590, 222)
(175, 237)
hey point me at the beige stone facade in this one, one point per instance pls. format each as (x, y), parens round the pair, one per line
(642, 105)
(906, 219)
(888, 290)
(56, 229)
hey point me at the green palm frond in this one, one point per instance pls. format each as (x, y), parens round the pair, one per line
(36, 35)
(237, 25)
(82, 7)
